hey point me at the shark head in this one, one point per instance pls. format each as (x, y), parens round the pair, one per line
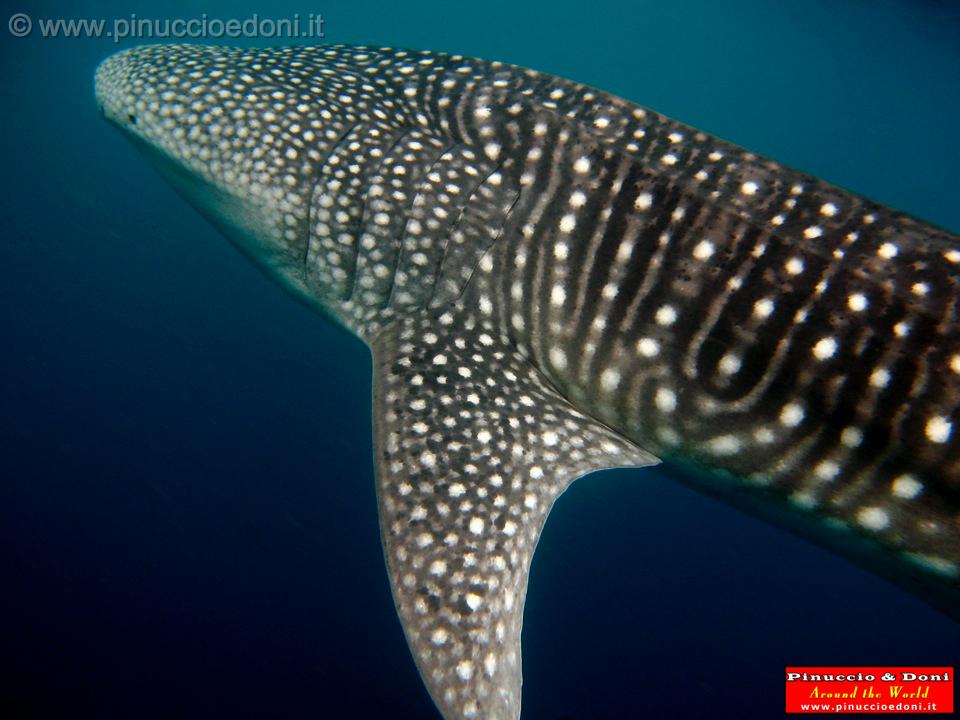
(225, 140)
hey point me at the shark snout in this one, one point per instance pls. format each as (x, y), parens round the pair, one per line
(114, 88)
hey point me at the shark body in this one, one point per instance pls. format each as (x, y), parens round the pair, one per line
(553, 281)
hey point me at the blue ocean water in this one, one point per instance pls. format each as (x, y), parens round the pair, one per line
(187, 515)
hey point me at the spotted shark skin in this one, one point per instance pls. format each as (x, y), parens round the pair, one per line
(552, 281)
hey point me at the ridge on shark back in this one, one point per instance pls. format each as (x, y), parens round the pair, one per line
(552, 281)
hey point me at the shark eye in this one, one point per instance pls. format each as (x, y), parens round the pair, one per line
(131, 118)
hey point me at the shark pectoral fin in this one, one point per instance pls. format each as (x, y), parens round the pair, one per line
(472, 449)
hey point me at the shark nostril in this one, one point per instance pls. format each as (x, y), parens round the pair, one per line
(131, 118)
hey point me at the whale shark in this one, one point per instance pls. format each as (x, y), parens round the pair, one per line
(554, 281)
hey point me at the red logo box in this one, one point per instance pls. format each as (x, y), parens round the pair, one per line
(895, 690)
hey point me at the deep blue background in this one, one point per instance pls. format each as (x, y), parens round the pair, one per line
(187, 515)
